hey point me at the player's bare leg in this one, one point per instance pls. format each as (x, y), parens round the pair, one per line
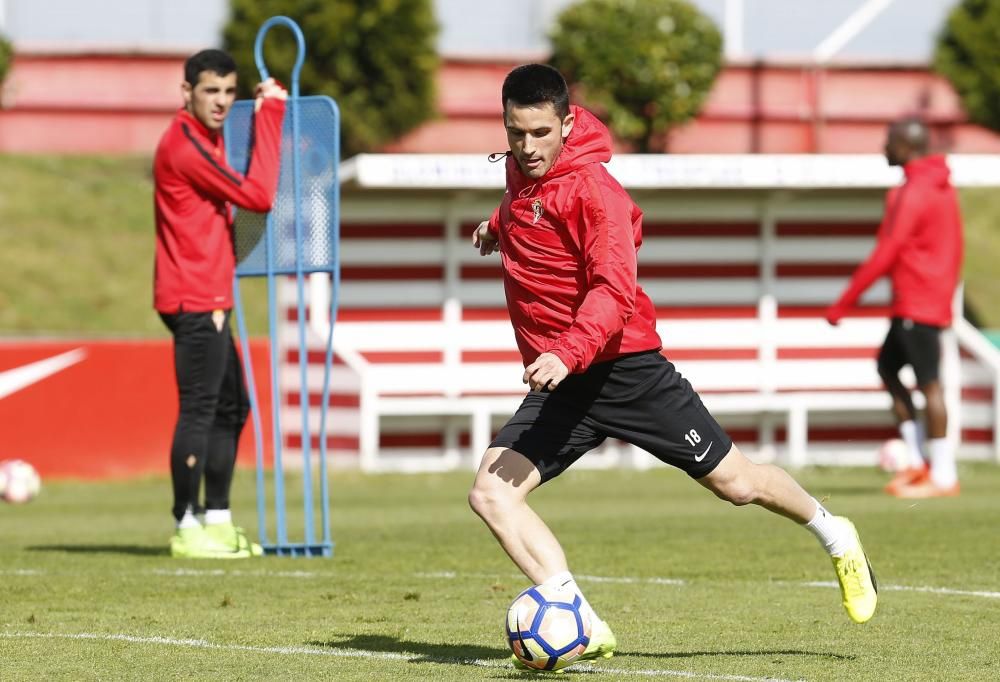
(937, 410)
(917, 469)
(498, 496)
(738, 480)
(943, 479)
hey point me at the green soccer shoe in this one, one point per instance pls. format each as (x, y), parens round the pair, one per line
(233, 536)
(602, 645)
(858, 585)
(602, 642)
(196, 543)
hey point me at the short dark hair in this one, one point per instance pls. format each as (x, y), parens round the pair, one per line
(215, 61)
(913, 131)
(536, 84)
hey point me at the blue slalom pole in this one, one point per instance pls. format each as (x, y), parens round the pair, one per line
(311, 126)
(258, 430)
(301, 313)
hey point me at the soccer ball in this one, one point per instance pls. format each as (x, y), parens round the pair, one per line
(547, 628)
(19, 482)
(894, 455)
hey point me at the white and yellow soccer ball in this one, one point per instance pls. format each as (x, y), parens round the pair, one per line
(894, 455)
(19, 482)
(547, 627)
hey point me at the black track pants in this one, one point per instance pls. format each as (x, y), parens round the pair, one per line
(213, 408)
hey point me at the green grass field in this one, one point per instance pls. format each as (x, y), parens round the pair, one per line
(417, 589)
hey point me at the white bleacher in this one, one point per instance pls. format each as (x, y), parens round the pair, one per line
(740, 273)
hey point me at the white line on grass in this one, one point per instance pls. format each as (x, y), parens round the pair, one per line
(22, 571)
(452, 575)
(198, 572)
(908, 588)
(623, 580)
(191, 572)
(629, 581)
(362, 653)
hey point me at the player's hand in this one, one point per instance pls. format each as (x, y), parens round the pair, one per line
(547, 371)
(834, 315)
(269, 89)
(484, 240)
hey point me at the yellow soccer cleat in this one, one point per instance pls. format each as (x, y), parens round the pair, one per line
(602, 645)
(196, 543)
(858, 586)
(602, 642)
(233, 537)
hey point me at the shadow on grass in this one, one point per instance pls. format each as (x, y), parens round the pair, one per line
(491, 661)
(735, 652)
(422, 651)
(495, 658)
(135, 550)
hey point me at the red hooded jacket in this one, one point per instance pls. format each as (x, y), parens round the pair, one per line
(568, 244)
(919, 244)
(194, 189)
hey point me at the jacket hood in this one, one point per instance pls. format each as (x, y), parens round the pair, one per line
(588, 142)
(930, 169)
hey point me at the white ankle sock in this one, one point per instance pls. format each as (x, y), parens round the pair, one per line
(565, 579)
(213, 516)
(835, 537)
(943, 471)
(910, 432)
(189, 520)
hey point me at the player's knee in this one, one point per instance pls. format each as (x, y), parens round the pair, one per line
(195, 420)
(242, 413)
(741, 495)
(887, 373)
(483, 502)
(738, 492)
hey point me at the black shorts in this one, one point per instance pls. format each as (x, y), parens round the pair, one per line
(911, 343)
(639, 398)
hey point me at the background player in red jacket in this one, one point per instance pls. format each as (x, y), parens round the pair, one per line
(193, 290)
(919, 246)
(568, 236)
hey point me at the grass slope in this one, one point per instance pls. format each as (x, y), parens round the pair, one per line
(417, 588)
(76, 248)
(981, 214)
(77, 244)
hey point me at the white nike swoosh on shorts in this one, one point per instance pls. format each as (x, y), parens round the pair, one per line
(700, 457)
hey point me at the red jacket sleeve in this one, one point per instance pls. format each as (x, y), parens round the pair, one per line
(494, 222)
(256, 190)
(897, 226)
(609, 258)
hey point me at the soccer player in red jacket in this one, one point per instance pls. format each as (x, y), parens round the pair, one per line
(568, 236)
(919, 246)
(194, 193)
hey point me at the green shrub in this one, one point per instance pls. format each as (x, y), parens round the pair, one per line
(6, 56)
(377, 58)
(968, 55)
(645, 66)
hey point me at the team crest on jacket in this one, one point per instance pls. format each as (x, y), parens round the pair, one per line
(536, 209)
